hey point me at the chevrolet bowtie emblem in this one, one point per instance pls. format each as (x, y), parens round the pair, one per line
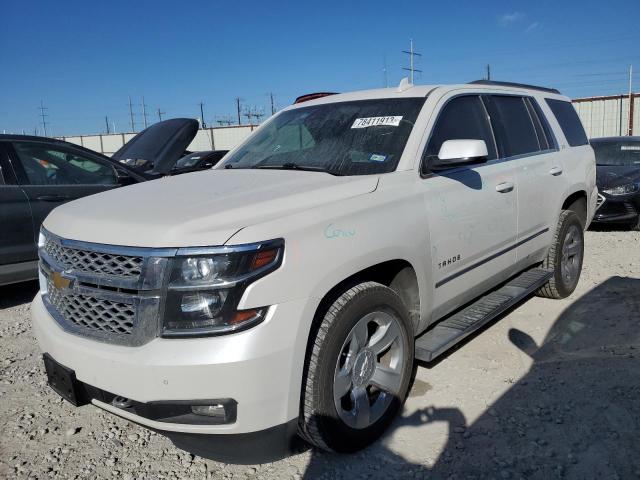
(59, 281)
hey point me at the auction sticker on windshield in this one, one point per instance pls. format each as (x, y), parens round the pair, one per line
(392, 121)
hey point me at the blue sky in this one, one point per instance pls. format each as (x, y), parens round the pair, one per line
(83, 59)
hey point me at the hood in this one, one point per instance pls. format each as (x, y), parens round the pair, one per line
(610, 176)
(199, 209)
(160, 146)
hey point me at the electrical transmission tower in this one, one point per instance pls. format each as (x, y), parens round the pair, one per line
(412, 54)
(160, 113)
(133, 125)
(202, 122)
(144, 113)
(224, 120)
(43, 115)
(253, 112)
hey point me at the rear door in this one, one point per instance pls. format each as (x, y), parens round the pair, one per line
(471, 210)
(525, 140)
(52, 174)
(17, 243)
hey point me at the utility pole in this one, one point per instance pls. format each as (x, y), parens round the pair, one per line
(144, 113)
(133, 126)
(412, 54)
(238, 110)
(488, 72)
(106, 122)
(384, 72)
(203, 123)
(273, 104)
(43, 115)
(224, 120)
(630, 132)
(160, 113)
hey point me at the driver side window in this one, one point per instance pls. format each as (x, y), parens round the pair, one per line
(48, 165)
(462, 118)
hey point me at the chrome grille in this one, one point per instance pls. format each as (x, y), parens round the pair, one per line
(94, 262)
(88, 312)
(600, 201)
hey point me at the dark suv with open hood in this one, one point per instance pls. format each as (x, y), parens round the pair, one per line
(618, 178)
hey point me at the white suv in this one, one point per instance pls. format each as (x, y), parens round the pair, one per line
(289, 290)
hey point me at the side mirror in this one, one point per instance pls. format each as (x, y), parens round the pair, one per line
(460, 152)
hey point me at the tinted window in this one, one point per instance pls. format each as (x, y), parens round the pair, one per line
(569, 121)
(47, 165)
(463, 118)
(517, 134)
(551, 138)
(623, 153)
(343, 138)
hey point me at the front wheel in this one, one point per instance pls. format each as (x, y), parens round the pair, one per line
(565, 257)
(359, 369)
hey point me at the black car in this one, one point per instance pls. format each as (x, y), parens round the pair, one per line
(198, 161)
(618, 178)
(37, 174)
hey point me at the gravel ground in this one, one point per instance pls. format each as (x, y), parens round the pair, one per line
(549, 391)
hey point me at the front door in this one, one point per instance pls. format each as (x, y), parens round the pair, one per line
(471, 210)
(17, 243)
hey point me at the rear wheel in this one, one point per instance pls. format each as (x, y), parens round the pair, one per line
(565, 257)
(359, 369)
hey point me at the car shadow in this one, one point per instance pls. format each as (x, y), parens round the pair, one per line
(17, 294)
(575, 414)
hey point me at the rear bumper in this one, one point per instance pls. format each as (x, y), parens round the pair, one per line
(259, 368)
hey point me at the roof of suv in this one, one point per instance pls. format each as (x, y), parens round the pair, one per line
(408, 91)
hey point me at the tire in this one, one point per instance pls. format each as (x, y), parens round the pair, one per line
(339, 369)
(565, 257)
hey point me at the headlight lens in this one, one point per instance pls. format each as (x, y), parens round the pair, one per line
(204, 290)
(622, 189)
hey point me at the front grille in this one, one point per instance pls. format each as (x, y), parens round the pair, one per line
(600, 201)
(94, 262)
(97, 314)
(104, 292)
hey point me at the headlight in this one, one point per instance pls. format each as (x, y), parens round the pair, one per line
(204, 289)
(622, 189)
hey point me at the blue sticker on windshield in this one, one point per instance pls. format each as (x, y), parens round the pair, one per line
(375, 157)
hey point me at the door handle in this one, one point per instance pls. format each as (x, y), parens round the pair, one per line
(555, 171)
(504, 187)
(52, 198)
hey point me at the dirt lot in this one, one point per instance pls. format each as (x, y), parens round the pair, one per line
(550, 391)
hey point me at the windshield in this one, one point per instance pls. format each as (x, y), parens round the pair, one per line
(619, 153)
(348, 138)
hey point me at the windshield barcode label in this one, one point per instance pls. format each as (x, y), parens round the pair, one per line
(376, 121)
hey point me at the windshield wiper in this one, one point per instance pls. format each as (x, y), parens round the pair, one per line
(295, 166)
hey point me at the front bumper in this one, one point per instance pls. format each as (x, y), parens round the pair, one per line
(260, 368)
(612, 209)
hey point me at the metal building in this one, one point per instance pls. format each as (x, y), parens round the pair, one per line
(609, 116)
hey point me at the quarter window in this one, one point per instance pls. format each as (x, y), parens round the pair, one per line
(46, 165)
(462, 118)
(569, 121)
(517, 134)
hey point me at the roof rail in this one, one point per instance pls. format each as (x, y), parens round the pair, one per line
(513, 84)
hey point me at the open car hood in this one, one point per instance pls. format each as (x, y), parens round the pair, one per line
(161, 145)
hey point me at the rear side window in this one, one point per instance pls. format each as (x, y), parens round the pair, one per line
(463, 118)
(516, 133)
(569, 121)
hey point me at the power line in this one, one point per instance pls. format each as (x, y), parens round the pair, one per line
(43, 115)
(412, 54)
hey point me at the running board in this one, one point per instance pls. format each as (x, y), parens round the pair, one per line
(457, 327)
